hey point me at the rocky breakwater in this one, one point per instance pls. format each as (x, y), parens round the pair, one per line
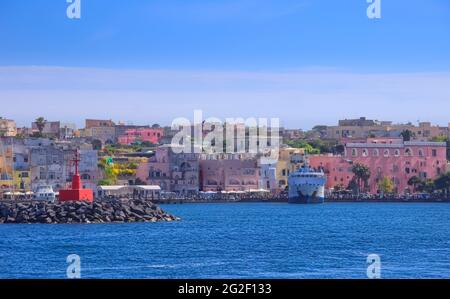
(119, 211)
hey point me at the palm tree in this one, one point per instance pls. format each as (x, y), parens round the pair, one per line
(362, 174)
(40, 124)
(443, 182)
(414, 182)
(407, 135)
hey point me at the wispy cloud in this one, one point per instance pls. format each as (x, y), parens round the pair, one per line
(301, 98)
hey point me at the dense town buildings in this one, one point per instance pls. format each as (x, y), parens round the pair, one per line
(29, 163)
(28, 159)
(365, 128)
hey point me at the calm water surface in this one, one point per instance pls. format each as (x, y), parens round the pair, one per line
(242, 241)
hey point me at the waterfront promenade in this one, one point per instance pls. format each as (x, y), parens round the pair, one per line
(269, 198)
(283, 199)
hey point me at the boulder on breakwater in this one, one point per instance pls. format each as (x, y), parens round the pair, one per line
(104, 211)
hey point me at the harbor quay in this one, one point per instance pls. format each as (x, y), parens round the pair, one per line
(358, 160)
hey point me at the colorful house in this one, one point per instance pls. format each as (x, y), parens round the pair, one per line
(290, 160)
(392, 158)
(229, 172)
(173, 172)
(152, 135)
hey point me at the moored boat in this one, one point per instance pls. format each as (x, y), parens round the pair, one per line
(45, 193)
(307, 185)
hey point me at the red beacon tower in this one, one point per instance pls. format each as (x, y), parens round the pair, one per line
(76, 193)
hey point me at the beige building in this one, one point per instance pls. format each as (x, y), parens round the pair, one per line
(425, 131)
(290, 160)
(91, 123)
(363, 128)
(107, 135)
(8, 128)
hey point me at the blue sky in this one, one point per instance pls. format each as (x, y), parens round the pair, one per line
(231, 58)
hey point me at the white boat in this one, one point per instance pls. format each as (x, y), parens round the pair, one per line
(45, 193)
(307, 185)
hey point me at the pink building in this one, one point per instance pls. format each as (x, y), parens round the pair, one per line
(391, 158)
(229, 172)
(337, 168)
(153, 135)
(171, 171)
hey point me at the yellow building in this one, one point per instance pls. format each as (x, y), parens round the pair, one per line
(290, 160)
(6, 171)
(10, 179)
(22, 180)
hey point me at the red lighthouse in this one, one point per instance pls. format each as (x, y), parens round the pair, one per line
(76, 193)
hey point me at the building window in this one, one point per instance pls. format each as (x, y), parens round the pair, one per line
(354, 152)
(408, 152)
(365, 152)
(386, 153)
(434, 153)
(379, 171)
(421, 153)
(397, 153)
(376, 152)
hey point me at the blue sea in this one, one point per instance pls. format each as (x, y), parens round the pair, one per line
(242, 241)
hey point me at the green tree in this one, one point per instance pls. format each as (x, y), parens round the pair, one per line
(147, 144)
(110, 174)
(353, 185)
(40, 124)
(339, 149)
(439, 139)
(305, 145)
(362, 174)
(386, 185)
(443, 182)
(427, 186)
(407, 135)
(414, 182)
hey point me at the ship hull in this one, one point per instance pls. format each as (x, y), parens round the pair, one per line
(307, 186)
(306, 200)
(306, 193)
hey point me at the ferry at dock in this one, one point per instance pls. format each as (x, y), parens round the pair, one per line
(307, 185)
